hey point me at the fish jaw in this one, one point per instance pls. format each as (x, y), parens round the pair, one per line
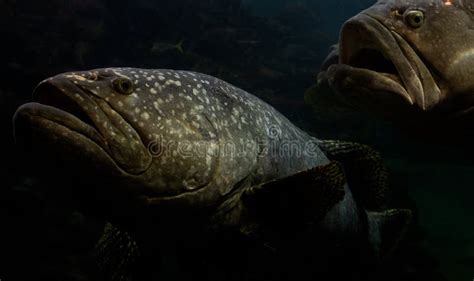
(69, 115)
(378, 67)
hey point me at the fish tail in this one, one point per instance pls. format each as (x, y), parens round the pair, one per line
(179, 46)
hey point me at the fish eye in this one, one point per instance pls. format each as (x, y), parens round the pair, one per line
(414, 18)
(123, 85)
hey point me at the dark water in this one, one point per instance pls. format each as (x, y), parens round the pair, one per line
(271, 48)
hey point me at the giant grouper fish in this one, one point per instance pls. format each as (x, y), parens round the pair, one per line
(410, 62)
(165, 155)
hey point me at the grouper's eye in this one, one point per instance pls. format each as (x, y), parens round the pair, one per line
(414, 18)
(123, 85)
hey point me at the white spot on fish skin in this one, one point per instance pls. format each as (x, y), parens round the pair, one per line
(137, 110)
(145, 115)
(196, 124)
(156, 105)
(235, 112)
(153, 91)
(141, 124)
(161, 77)
(195, 91)
(149, 78)
(79, 97)
(172, 82)
(136, 76)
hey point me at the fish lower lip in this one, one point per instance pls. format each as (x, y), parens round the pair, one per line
(394, 77)
(64, 119)
(351, 79)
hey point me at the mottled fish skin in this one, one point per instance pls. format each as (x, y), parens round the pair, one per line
(239, 136)
(408, 61)
(177, 150)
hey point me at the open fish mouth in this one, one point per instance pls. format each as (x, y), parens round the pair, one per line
(70, 115)
(61, 108)
(375, 59)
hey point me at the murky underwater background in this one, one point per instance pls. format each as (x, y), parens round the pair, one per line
(271, 48)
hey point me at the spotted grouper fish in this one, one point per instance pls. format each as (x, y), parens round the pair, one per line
(168, 155)
(408, 61)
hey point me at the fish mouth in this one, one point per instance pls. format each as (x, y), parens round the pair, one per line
(378, 65)
(65, 111)
(72, 119)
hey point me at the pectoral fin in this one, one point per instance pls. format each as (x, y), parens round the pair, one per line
(366, 172)
(296, 200)
(116, 253)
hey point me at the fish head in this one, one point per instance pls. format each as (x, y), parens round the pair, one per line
(125, 139)
(408, 59)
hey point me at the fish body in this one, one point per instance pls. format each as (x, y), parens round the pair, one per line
(178, 150)
(407, 61)
(139, 135)
(159, 47)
